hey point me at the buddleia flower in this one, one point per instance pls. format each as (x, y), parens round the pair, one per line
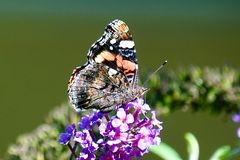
(125, 134)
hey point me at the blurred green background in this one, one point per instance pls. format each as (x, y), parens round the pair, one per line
(42, 41)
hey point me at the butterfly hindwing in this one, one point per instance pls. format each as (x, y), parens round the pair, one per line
(93, 87)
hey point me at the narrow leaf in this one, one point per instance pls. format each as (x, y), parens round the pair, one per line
(165, 152)
(221, 153)
(192, 146)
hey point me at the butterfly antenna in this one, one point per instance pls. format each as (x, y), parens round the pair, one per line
(160, 67)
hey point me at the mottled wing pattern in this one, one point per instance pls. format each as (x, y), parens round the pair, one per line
(92, 87)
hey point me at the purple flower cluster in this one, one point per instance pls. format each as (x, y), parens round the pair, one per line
(236, 119)
(127, 134)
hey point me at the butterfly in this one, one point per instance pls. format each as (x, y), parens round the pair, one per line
(109, 77)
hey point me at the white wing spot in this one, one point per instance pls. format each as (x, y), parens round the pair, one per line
(112, 71)
(126, 44)
(112, 41)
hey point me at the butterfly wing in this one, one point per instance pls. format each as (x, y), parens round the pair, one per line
(109, 78)
(116, 49)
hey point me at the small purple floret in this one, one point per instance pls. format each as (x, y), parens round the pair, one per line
(70, 131)
(236, 119)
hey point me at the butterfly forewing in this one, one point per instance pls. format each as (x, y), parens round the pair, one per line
(116, 49)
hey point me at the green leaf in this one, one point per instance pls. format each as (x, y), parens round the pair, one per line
(165, 152)
(221, 153)
(192, 146)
